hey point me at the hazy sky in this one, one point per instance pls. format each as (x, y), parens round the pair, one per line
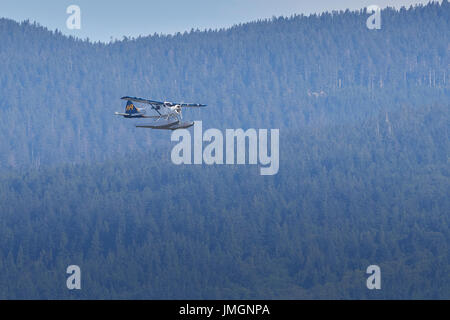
(103, 19)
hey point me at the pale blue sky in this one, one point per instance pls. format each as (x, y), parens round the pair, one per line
(103, 19)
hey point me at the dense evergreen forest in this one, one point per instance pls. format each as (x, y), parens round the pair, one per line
(364, 161)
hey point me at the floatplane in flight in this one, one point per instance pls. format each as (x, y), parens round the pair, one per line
(171, 112)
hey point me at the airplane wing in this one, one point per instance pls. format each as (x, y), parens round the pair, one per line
(191, 105)
(135, 99)
(160, 103)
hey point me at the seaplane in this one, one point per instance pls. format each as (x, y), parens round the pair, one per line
(170, 112)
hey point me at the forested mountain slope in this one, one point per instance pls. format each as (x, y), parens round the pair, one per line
(364, 161)
(346, 197)
(58, 94)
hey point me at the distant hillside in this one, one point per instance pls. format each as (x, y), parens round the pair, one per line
(346, 197)
(364, 162)
(59, 94)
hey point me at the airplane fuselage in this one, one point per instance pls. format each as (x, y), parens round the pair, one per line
(176, 109)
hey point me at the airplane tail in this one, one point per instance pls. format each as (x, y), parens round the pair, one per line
(130, 108)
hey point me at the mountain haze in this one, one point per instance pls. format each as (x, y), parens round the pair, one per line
(264, 74)
(364, 161)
